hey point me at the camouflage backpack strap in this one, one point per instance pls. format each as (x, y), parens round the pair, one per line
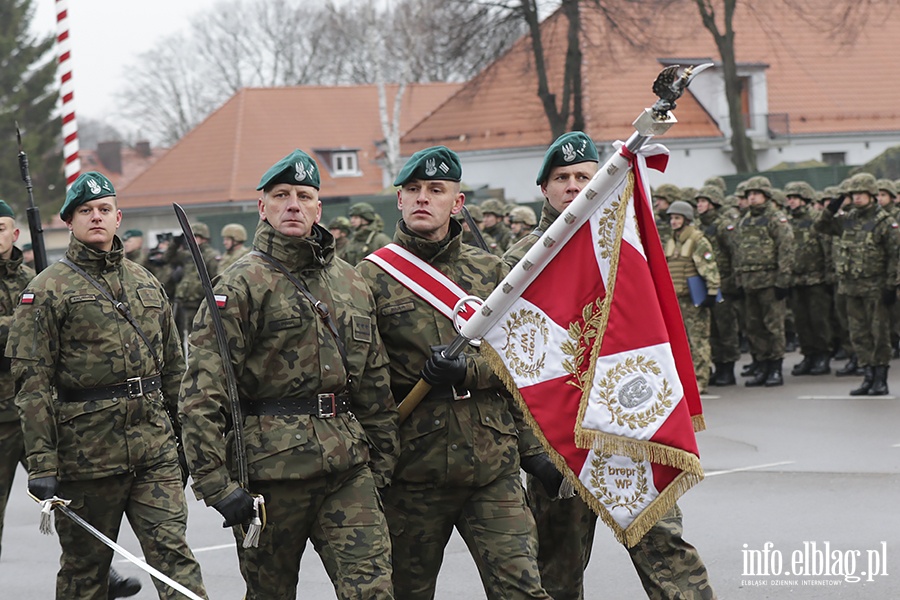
(320, 307)
(119, 306)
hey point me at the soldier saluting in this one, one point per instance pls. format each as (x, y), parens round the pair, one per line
(96, 328)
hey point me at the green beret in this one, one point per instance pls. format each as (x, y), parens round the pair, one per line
(437, 162)
(6, 211)
(132, 233)
(89, 186)
(568, 149)
(27, 247)
(297, 168)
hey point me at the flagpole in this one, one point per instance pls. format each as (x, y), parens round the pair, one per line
(654, 121)
(67, 91)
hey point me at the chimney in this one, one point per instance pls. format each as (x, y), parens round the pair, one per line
(110, 155)
(143, 148)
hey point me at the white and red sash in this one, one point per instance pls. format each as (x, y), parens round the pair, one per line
(422, 279)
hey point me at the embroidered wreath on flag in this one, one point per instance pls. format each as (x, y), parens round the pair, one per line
(578, 346)
(606, 228)
(618, 414)
(610, 499)
(516, 329)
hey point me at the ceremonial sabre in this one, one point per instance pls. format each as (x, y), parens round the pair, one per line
(669, 87)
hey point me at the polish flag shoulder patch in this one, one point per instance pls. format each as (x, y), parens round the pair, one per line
(221, 300)
(27, 298)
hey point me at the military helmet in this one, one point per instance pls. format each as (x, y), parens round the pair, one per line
(862, 182)
(680, 207)
(779, 197)
(523, 214)
(476, 213)
(888, 186)
(801, 189)
(668, 192)
(342, 223)
(689, 195)
(716, 181)
(713, 193)
(201, 230)
(832, 191)
(492, 206)
(235, 231)
(363, 210)
(759, 183)
(740, 190)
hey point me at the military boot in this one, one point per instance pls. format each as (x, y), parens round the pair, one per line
(724, 375)
(849, 368)
(122, 587)
(839, 353)
(821, 365)
(803, 367)
(751, 369)
(774, 377)
(879, 382)
(790, 343)
(762, 373)
(866, 384)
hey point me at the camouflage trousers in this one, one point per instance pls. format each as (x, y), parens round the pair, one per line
(811, 305)
(12, 454)
(840, 323)
(697, 325)
(724, 341)
(494, 522)
(869, 323)
(764, 317)
(341, 515)
(669, 567)
(153, 501)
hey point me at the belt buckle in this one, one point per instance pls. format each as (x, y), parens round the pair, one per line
(329, 408)
(130, 387)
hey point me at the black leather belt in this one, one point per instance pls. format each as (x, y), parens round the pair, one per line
(5, 364)
(132, 388)
(442, 393)
(323, 406)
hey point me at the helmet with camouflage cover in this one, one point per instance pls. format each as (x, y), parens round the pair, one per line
(474, 211)
(779, 197)
(713, 193)
(740, 190)
(363, 210)
(680, 207)
(668, 192)
(831, 192)
(342, 223)
(862, 182)
(492, 206)
(523, 214)
(235, 231)
(888, 186)
(201, 230)
(800, 189)
(716, 181)
(759, 183)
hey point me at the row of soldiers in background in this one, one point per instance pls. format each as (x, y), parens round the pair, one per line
(827, 261)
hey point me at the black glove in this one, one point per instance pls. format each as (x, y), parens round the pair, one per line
(440, 371)
(709, 301)
(889, 297)
(182, 462)
(236, 507)
(834, 205)
(782, 293)
(43, 488)
(542, 468)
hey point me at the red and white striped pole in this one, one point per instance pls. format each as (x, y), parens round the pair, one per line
(67, 91)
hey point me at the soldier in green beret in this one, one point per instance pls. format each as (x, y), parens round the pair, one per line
(368, 234)
(668, 566)
(133, 241)
(319, 421)
(460, 448)
(28, 255)
(108, 439)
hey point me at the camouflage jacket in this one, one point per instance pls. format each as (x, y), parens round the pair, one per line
(468, 237)
(364, 240)
(515, 252)
(188, 290)
(812, 262)
(718, 226)
(231, 256)
(501, 234)
(446, 442)
(14, 276)
(663, 226)
(70, 337)
(866, 249)
(280, 348)
(689, 253)
(764, 248)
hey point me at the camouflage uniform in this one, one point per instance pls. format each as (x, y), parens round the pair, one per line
(368, 238)
(499, 231)
(812, 286)
(689, 254)
(764, 264)
(318, 474)
(14, 276)
(468, 236)
(239, 248)
(866, 266)
(188, 291)
(114, 454)
(668, 567)
(670, 193)
(340, 243)
(459, 460)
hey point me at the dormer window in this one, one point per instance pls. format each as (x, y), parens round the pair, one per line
(344, 164)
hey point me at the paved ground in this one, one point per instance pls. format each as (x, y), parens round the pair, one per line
(805, 468)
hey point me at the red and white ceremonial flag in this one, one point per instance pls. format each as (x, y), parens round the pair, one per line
(595, 348)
